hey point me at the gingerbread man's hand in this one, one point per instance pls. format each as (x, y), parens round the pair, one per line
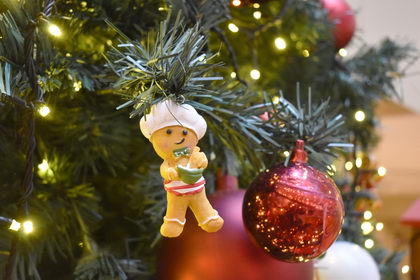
(172, 173)
(198, 159)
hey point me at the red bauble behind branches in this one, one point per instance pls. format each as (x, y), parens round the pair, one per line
(294, 213)
(342, 16)
(227, 254)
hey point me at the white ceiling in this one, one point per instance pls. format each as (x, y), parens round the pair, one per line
(398, 20)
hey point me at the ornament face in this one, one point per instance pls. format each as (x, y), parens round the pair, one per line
(174, 130)
(294, 213)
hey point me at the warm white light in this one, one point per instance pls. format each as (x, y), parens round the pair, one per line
(44, 166)
(255, 74)
(369, 243)
(343, 52)
(44, 111)
(367, 215)
(256, 5)
(367, 227)
(359, 162)
(381, 171)
(405, 269)
(360, 116)
(54, 30)
(257, 14)
(15, 225)
(28, 227)
(276, 100)
(306, 53)
(348, 165)
(77, 85)
(286, 153)
(233, 75)
(236, 3)
(232, 27)
(379, 226)
(280, 43)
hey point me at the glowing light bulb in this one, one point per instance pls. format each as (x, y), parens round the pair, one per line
(276, 100)
(54, 30)
(405, 269)
(44, 166)
(360, 116)
(15, 225)
(255, 74)
(232, 27)
(379, 226)
(306, 53)
(369, 243)
(367, 227)
(343, 52)
(348, 165)
(233, 75)
(359, 162)
(257, 14)
(77, 85)
(236, 3)
(28, 227)
(286, 153)
(367, 215)
(44, 110)
(280, 43)
(256, 5)
(381, 171)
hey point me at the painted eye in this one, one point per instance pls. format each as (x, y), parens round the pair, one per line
(185, 132)
(169, 131)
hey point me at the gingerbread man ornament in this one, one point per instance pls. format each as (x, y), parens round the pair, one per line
(174, 130)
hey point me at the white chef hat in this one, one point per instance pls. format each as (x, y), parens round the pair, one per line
(168, 113)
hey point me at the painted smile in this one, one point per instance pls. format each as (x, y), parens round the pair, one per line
(180, 142)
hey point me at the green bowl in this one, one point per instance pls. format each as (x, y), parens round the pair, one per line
(189, 175)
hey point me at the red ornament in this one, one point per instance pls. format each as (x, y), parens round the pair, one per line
(342, 16)
(294, 213)
(225, 255)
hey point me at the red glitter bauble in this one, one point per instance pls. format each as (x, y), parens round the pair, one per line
(343, 19)
(294, 213)
(225, 255)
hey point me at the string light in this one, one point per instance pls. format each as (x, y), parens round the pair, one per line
(343, 52)
(233, 75)
(286, 153)
(255, 74)
(77, 86)
(379, 226)
(367, 227)
(232, 27)
(348, 165)
(360, 116)
(28, 227)
(236, 3)
(276, 100)
(381, 171)
(306, 53)
(359, 162)
(367, 215)
(405, 269)
(256, 5)
(54, 30)
(280, 43)
(43, 166)
(369, 243)
(44, 111)
(15, 225)
(257, 14)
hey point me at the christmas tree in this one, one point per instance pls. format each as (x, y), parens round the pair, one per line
(81, 194)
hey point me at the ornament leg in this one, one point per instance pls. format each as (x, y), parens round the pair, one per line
(208, 218)
(173, 222)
